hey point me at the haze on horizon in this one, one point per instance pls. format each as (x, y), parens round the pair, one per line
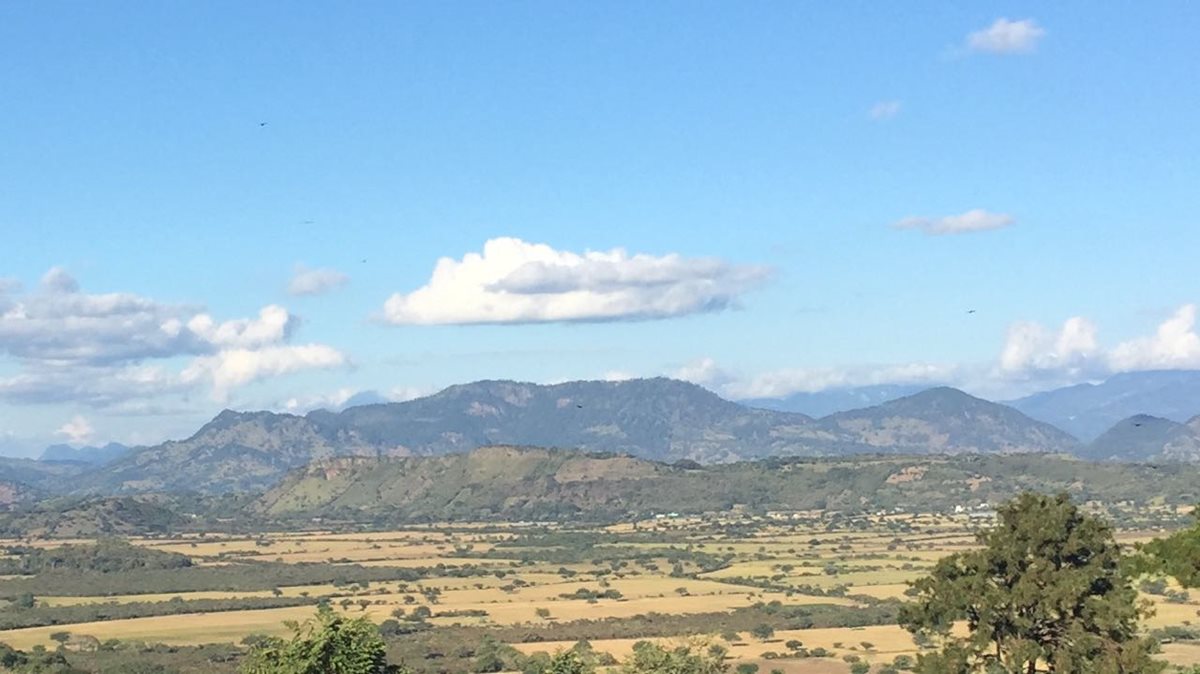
(280, 207)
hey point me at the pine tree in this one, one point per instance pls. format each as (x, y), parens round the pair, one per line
(1046, 593)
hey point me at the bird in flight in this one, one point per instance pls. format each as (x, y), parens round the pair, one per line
(261, 124)
(970, 311)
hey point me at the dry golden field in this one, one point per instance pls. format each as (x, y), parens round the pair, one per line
(796, 562)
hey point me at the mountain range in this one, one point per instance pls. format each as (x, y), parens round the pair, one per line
(661, 420)
(1088, 410)
(1083, 410)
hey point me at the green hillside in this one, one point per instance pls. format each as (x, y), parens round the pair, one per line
(521, 483)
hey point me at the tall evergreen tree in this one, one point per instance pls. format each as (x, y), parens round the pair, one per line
(1046, 593)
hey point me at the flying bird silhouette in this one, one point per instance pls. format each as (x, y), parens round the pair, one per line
(970, 311)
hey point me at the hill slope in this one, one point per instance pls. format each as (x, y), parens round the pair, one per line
(1146, 438)
(946, 420)
(523, 483)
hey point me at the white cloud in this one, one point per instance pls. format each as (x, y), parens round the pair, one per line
(702, 371)
(306, 281)
(77, 431)
(1031, 350)
(273, 325)
(92, 385)
(618, 375)
(57, 322)
(513, 281)
(784, 382)
(332, 401)
(884, 110)
(1175, 345)
(400, 394)
(1007, 37)
(57, 280)
(976, 220)
(1073, 353)
(232, 368)
(73, 346)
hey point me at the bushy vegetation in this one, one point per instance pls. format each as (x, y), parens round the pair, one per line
(106, 556)
(14, 616)
(240, 576)
(1177, 555)
(326, 644)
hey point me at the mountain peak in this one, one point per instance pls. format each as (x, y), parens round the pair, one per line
(946, 420)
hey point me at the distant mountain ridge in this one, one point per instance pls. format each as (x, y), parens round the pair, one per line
(944, 420)
(93, 455)
(657, 419)
(1088, 410)
(1147, 438)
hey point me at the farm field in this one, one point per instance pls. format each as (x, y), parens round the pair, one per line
(826, 586)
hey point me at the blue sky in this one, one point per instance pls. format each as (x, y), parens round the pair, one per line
(752, 162)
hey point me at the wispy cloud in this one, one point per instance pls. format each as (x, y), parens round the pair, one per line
(77, 430)
(1007, 37)
(976, 220)
(306, 281)
(884, 110)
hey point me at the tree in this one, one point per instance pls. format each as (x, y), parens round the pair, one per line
(1177, 555)
(1046, 591)
(568, 662)
(328, 643)
(763, 632)
(650, 658)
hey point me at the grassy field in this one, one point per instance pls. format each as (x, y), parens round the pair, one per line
(504, 576)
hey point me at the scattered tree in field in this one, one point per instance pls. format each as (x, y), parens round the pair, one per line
(328, 643)
(1046, 593)
(763, 632)
(650, 658)
(60, 637)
